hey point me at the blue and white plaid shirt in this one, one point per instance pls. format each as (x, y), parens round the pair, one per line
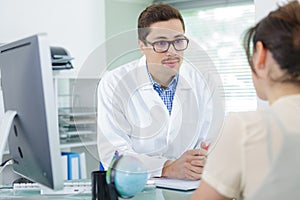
(166, 94)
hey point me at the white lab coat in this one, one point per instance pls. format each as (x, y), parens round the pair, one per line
(132, 117)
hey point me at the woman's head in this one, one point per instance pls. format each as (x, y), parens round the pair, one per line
(279, 33)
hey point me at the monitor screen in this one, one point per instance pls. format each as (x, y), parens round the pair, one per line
(27, 86)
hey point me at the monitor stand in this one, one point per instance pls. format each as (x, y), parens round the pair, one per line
(5, 127)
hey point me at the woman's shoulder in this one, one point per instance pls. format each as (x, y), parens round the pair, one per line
(248, 119)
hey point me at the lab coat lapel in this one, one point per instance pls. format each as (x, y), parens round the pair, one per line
(183, 119)
(158, 112)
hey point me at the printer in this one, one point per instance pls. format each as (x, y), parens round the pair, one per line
(60, 58)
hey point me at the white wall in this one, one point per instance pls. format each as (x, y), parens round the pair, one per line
(122, 15)
(121, 21)
(263, 7)
(77, 25)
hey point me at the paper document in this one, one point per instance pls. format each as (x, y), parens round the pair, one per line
(176, 184)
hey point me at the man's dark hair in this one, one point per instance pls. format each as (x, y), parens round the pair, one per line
(156, 13)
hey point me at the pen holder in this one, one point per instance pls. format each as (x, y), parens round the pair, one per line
(100, 189)
(99, 186)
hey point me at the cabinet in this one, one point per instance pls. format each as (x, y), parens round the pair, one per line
(76, 100)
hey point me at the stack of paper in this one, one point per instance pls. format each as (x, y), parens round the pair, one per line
(176, 184)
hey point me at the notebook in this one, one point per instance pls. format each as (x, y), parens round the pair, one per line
(176, 184)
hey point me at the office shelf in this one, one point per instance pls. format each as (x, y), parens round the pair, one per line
(81, 143)
(76, 110)
(76, 122)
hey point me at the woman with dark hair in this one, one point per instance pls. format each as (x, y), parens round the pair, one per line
(256, 153)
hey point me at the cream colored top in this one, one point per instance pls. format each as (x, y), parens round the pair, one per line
(241, 158)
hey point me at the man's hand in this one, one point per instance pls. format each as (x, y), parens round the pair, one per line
(188, 166)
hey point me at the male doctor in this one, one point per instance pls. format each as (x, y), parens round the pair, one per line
(158, 107)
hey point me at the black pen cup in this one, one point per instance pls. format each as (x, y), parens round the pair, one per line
(99, 186)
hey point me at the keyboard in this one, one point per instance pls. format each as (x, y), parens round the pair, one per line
(26, 186)
(70, 187)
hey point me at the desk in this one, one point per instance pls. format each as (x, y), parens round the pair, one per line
(153, 194)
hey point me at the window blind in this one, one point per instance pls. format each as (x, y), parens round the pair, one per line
(219, 29)
(187, 4)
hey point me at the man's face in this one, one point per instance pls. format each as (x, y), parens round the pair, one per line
(170, 61)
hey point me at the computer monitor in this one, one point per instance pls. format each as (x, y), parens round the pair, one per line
(30, 110)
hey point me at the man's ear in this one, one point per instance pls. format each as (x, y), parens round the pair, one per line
(260, 56)
(142, 46)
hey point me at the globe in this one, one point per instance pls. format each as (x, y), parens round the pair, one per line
(130, 176)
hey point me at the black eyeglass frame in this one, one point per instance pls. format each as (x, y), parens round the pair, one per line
(169, 44)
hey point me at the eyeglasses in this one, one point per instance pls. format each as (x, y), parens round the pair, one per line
(163, 46)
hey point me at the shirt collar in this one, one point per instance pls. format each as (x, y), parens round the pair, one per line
(172, 85)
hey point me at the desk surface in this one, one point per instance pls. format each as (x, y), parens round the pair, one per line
(150, 194)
